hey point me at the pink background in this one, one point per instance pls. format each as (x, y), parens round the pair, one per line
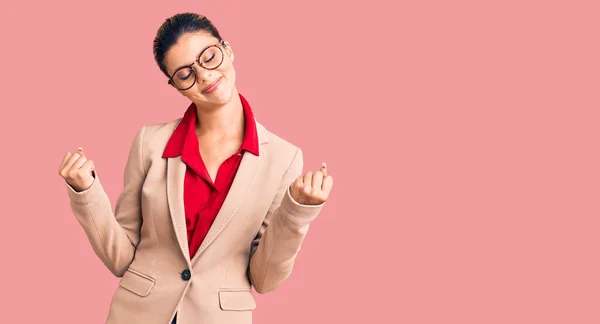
(463, 138)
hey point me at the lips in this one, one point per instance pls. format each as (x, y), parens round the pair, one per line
(212, 87)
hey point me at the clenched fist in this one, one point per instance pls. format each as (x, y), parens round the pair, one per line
(77, 170)
(312, 188)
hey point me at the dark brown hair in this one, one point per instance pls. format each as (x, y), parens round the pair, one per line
(176, 26)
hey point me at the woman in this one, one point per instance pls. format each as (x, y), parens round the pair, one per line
(213, 203)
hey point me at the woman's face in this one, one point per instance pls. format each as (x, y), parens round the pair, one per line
(213, 87)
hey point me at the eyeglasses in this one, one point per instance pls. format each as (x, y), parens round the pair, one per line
(210, 58)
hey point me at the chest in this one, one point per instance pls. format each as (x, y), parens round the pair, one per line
(214, 154)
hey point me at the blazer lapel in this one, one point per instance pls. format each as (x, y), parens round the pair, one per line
(242, 183)
(175, 177)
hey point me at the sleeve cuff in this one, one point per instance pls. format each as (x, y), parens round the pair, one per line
(86, 196)
(299, 214)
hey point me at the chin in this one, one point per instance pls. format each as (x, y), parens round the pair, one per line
(222, 96)
(225, 94)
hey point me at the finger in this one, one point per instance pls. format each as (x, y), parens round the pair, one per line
(317, 180)
(64, 161)
(324, 169)
(70, 162)
(80, 151)
(298, 182)
(327, 185)
(307, 181)
(79, 163)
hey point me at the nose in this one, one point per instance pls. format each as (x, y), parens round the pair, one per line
(202, 74)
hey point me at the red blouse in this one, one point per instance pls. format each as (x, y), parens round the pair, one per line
(203, 198)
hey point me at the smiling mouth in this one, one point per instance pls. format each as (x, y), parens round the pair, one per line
(212, 87)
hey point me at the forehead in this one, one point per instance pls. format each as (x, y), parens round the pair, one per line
(187, 48)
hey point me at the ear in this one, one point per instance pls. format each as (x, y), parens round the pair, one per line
(229, 51)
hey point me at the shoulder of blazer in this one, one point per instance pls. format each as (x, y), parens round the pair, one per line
(157, 135)
(160, 129)
(155, 138)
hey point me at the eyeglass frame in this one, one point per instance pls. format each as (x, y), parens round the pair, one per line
(172, 82)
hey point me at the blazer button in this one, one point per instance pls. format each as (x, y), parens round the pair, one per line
(186, 275)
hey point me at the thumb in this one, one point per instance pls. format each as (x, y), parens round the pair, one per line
(80, 151)
(88, 167)
(324, 169)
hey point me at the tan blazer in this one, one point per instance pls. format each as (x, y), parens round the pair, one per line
(253, 241)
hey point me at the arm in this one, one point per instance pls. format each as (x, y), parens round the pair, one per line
(278, 241)
(113, 236)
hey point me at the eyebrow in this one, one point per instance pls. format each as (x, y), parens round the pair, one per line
(186, 65)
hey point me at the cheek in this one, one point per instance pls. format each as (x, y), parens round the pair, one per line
(229, 75)
(227, 69)
(229, 83)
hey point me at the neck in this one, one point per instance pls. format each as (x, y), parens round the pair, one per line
(223, 121)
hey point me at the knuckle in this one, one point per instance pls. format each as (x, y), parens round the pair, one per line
(72, 173)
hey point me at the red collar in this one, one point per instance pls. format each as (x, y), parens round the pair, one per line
(184, 142)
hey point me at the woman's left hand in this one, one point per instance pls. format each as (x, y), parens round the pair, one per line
(312, 188)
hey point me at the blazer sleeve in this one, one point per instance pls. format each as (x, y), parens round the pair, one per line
(113, 236)
(279, 239)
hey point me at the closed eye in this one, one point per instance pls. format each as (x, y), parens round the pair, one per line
(210, 59)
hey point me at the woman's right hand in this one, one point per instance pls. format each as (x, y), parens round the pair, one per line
(77, 170)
